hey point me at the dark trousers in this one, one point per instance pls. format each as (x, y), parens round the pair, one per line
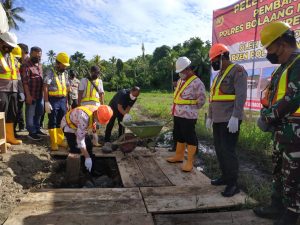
(225, 143)
(71, 139)
(20, 117)
(9, 105)
(110, 125)
(184, 131)
(59, 109)
(73, 103)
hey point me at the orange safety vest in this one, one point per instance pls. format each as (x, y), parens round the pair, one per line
(215, 92)
(88, 109)
(61, 87)
(178, 100)
(10, 73)
(90, 94)
(281, 89)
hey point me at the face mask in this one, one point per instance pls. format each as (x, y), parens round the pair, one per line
(94, 76)
(7, 49)
(182, 76)
(273, 58)
(132, 97)
(216, 65)
(35, 60)
(61, 70)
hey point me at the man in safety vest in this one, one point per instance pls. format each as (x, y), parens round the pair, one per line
(55, 96)
(228, 94)
(77, 122)
(10, 84)
(189, 97)
(91, 92)
(282, 112)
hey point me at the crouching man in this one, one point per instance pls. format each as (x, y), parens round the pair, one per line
(75, 125)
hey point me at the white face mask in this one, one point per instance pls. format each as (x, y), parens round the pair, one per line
(182, 76)
(132, 97)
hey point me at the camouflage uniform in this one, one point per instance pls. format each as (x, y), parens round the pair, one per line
(286, 154)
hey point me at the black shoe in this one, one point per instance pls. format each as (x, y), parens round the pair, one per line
(40, 133)
(218, 182)
(230, 190)
(34, 137)
(288, 218)
(22, 129)
(269, 212)
(17, 136)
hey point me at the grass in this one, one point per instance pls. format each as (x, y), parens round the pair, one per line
(254, 144)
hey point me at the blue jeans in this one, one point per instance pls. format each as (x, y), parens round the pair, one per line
(59, 109)
(33, 114)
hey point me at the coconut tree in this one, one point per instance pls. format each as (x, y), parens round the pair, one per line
(12, 13)
(51, 56)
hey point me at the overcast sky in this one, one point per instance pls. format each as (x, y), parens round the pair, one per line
(114, 27)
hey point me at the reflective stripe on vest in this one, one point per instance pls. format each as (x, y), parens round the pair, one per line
(10, 73)
(90, 94)
(61, 87)
(215, 92)
(177, 94)
(283, 85)
(88, 109)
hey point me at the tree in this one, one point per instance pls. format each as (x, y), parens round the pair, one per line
(80, 64)
(51, 56)
(12, 13)
(119, 66)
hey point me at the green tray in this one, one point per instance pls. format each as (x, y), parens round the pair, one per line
(144, 129)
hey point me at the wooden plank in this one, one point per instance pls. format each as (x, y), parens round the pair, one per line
(129, 171)
(178, 177)
(3, 148)
(246, 217)
(96, 150)
(189, 198)
(84, 202)
(71, 219)
(151, 171)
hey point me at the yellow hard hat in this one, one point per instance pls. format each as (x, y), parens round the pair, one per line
(272, 31)
(63, 58)
(17, 52)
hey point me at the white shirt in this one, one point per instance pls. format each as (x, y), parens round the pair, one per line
(83, 87)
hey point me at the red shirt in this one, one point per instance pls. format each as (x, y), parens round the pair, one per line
(32, 75)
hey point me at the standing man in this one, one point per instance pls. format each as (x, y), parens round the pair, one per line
(10, 84)
(55, 96)
(121, 104)
(281, 110)
(189, 97)
(32, 74)
(91, 90)
(228, 94)
(77, 122)
(73, 94)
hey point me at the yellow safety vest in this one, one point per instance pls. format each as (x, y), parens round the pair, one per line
(10, 73)
(215, 93)
(282, 86)
(178, 91)
(88, 109)
(61, 86)
(90, 94)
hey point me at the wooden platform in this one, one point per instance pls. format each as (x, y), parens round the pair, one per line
(151, 186)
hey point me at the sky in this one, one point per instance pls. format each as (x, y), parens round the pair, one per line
(114, 27)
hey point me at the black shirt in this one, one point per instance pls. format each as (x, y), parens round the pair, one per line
(122, 97)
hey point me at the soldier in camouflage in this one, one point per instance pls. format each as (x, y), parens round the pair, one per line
(281, 111)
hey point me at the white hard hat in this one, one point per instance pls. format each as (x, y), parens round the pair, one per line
(9, 38)
(182, 63)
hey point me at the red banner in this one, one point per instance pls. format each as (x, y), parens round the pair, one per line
(238, 26)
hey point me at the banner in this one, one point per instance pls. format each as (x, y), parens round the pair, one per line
(238, 26)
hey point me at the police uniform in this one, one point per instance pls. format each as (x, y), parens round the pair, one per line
(57, 94)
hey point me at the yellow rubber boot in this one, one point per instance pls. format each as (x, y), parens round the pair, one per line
(61, 138)
(10, 136)
(188, 166)
(53, 139)
(179, 155)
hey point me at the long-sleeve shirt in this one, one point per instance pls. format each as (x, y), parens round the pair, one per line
(81, 120)
(279, 114)
(235, 83)
(195, 90)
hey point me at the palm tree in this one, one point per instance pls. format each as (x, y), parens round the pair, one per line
(51, 56)
(12, 13)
